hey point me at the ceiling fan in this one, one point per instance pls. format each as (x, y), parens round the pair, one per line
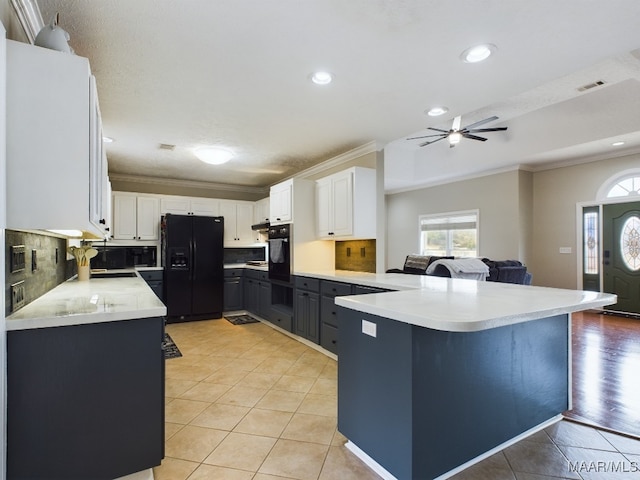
(456, 133)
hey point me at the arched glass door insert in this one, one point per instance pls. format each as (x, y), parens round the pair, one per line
(630, 243)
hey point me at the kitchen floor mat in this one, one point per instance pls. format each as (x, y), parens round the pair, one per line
(241, 319)
(171, 350)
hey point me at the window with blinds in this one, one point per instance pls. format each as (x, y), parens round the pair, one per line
(449, 234)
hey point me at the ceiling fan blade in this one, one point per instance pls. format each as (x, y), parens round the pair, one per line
(438, 130)
(427, 136)
(497, 129)
(474, 137)
(481, 122)
(432, 141)
(456, 123)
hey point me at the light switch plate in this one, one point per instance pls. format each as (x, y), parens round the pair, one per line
(565, 250)
(369, 328)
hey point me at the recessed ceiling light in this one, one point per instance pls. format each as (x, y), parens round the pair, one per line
(436, 111)
(321, 78)
(617, 144)
(213, 155)
(107, 139)
(477, 53)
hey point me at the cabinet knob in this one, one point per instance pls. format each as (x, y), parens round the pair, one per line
(103, 221)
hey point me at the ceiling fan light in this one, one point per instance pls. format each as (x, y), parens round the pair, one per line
(478, 53)
(213, 155)
(437, 111)
(321, 78)
(454, 138)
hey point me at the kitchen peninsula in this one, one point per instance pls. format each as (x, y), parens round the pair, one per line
(85, 381)
(436, 377)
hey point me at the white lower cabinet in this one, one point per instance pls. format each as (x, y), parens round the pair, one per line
(136, 217)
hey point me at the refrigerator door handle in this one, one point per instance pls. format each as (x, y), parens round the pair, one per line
(193, 259)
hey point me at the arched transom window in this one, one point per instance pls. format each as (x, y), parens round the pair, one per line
(625, 187)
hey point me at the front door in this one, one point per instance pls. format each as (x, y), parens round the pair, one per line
(621, 255)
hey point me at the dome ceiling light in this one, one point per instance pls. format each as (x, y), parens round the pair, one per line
(213, 155)
(321, 78)
(478, 53)
(436, 111)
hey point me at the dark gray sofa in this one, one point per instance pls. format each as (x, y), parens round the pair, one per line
(504, 271)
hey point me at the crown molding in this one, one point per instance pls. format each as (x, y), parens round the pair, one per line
(345, 157)
(29, 17)
(357, 152)
(187, 183)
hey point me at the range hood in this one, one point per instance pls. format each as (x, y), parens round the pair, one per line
(261, 227)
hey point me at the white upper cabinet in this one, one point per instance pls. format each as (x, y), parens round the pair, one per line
(238, 218)
(345, 204)
(207, 207)
(136, 217)
(261, 211)
(281, 203)
(54, 142)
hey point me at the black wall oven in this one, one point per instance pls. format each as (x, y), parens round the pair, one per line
(280, 253)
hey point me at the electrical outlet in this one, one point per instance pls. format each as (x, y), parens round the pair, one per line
(17, 258)
(18, 296)
(369, 328)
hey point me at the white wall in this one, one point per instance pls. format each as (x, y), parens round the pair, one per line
(503, 200)
(555, 195)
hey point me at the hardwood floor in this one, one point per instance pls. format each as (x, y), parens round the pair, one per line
(606, 372)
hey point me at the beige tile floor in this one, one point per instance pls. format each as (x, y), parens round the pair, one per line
(248, 402)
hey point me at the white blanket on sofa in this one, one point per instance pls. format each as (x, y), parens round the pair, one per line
(470, 268)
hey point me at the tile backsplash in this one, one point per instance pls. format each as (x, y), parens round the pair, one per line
(356, 255)
(49, 270)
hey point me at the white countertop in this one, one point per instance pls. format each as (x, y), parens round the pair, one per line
(93, 301)
(458, 305)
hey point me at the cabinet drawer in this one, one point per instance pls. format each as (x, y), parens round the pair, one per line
(233, 272)
(335, 288)
(281, 319)
(329, 338)
(151, 275)
(249, 273)
(328, 311)
(307, 283)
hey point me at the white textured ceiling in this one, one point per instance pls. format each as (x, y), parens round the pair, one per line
(235, 73)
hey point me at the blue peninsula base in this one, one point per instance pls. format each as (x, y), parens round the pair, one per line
(422, 402)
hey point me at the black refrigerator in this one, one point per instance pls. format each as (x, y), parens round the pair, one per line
(192, 254)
